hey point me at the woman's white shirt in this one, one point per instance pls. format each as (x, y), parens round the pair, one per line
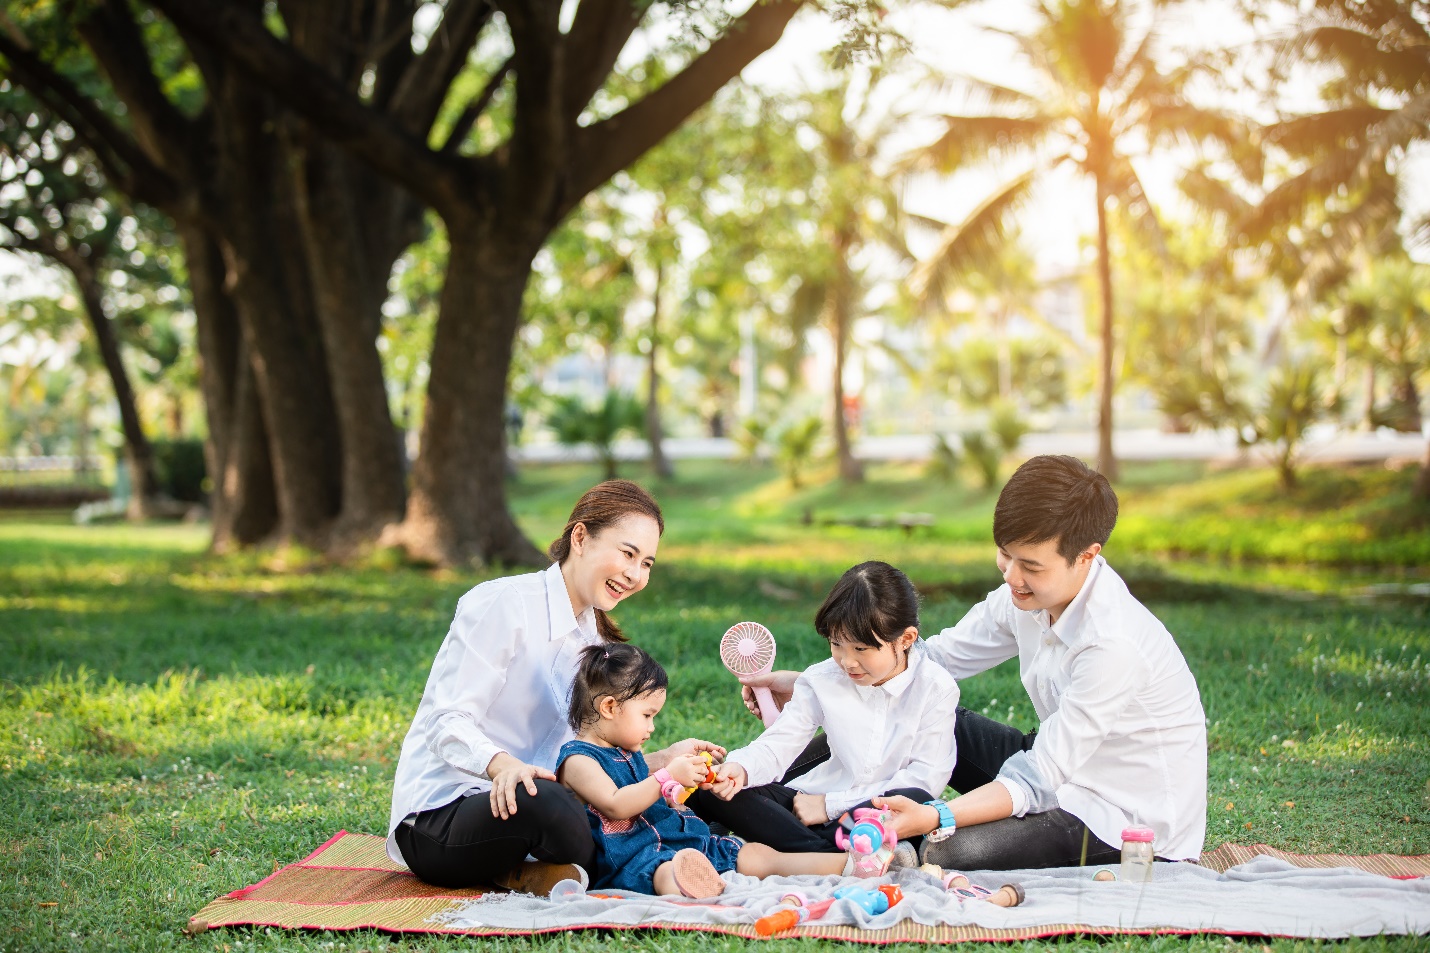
(501, 682)
(1121, 734)
(895, 735)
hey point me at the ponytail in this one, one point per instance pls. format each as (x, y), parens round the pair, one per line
(599, 507)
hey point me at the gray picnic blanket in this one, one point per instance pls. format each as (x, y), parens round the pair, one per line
(1266, 897)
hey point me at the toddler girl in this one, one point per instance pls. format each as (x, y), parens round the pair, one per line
(886, 710)
(642, 842)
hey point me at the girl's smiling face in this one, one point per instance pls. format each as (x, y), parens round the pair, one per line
(873, 665)
(604, 568)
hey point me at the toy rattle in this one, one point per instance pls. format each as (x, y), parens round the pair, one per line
(676, 793)
(869, 838)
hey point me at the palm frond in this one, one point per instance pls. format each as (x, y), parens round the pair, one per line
(1366, 60)
(1127, 187)
(972, 244)
(971, 139)
(1316, 133)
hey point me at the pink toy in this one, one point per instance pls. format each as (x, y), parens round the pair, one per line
(869, 838)
(748, 648)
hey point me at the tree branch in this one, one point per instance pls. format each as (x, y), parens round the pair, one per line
(322, 100)
(424, 84)
(474, 110)
(594, 42)
(601, 150)
(123, 161)
(161, 130)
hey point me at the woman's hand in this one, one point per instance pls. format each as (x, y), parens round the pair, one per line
(780, 684)
(729, 779)
(911, 819)
(810, 809)
(507, 773)
(661, 759)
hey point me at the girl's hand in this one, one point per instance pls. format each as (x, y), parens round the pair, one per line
(688, 769)
(729, 779)
(810, 809)
(911, 819)
(780, 684)
(508, 775)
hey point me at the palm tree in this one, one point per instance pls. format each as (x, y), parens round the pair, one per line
(1377, 108)
(856, 209)
(1101, 94)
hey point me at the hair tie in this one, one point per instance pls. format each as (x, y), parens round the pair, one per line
(606, 654)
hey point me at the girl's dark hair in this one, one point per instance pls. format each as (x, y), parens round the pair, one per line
(871, 604)
(599, 507)
(1055, 497)
(621, 670)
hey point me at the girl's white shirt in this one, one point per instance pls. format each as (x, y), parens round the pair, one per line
(1121, 732)
(895, 735)
(501, 682)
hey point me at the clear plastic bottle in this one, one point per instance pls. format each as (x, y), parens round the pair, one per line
(1136, 855)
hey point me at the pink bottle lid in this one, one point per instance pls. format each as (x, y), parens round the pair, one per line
(1143, 834)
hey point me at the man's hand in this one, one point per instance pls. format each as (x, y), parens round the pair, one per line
(780, 684)
(810, 809)
(507, 773)
(911, 819)
(729, 779)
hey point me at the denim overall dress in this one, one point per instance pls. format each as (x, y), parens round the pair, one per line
(629, 851)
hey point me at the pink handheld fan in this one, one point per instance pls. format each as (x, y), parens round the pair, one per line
(748, 648)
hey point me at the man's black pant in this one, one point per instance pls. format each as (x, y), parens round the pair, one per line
(463, 845)
(765, 815)
(1051, 839)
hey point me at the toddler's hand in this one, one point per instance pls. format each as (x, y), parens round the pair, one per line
(688, 769)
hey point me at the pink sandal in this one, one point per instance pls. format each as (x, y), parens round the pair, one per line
(695, 875)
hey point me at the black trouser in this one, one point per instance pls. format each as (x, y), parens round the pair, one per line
(1051, 839)
(765, 815)
(463, 845)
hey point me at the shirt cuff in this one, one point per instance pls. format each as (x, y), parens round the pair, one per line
(1015, 791)
(837, 803)
(1030, 792)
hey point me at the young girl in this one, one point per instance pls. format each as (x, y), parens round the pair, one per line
(642, 843)
(887, 711)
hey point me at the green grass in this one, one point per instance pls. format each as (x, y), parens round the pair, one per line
(172, 725)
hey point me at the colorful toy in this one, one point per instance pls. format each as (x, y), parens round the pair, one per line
(796, 909)
(748, 648)
(869, 837)
(710, 778)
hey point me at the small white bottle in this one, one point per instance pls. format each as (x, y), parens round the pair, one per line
(1136, 855)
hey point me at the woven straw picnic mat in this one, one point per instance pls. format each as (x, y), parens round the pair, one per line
(349, 883)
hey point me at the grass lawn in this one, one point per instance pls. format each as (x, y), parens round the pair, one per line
(173, 725)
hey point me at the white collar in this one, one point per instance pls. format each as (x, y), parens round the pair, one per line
(1071, 620)
(558, 605)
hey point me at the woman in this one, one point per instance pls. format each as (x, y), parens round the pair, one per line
(475, 794)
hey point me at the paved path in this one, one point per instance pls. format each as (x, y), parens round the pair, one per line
(1322, 447)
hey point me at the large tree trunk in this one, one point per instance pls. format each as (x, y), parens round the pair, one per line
(1421, 490)
(271, 286)
(136, 444)
(457, 512)
(349, 284)
(658, 460)
(1106, 460)
(242, 499)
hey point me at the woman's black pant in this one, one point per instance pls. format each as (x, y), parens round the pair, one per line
(1050, 839)
(463, 845)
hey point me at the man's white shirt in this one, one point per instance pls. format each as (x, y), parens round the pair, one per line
(1122, 734)
(501, 682)
(881, 737)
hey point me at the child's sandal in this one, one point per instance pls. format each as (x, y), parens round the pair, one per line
(695, 875)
